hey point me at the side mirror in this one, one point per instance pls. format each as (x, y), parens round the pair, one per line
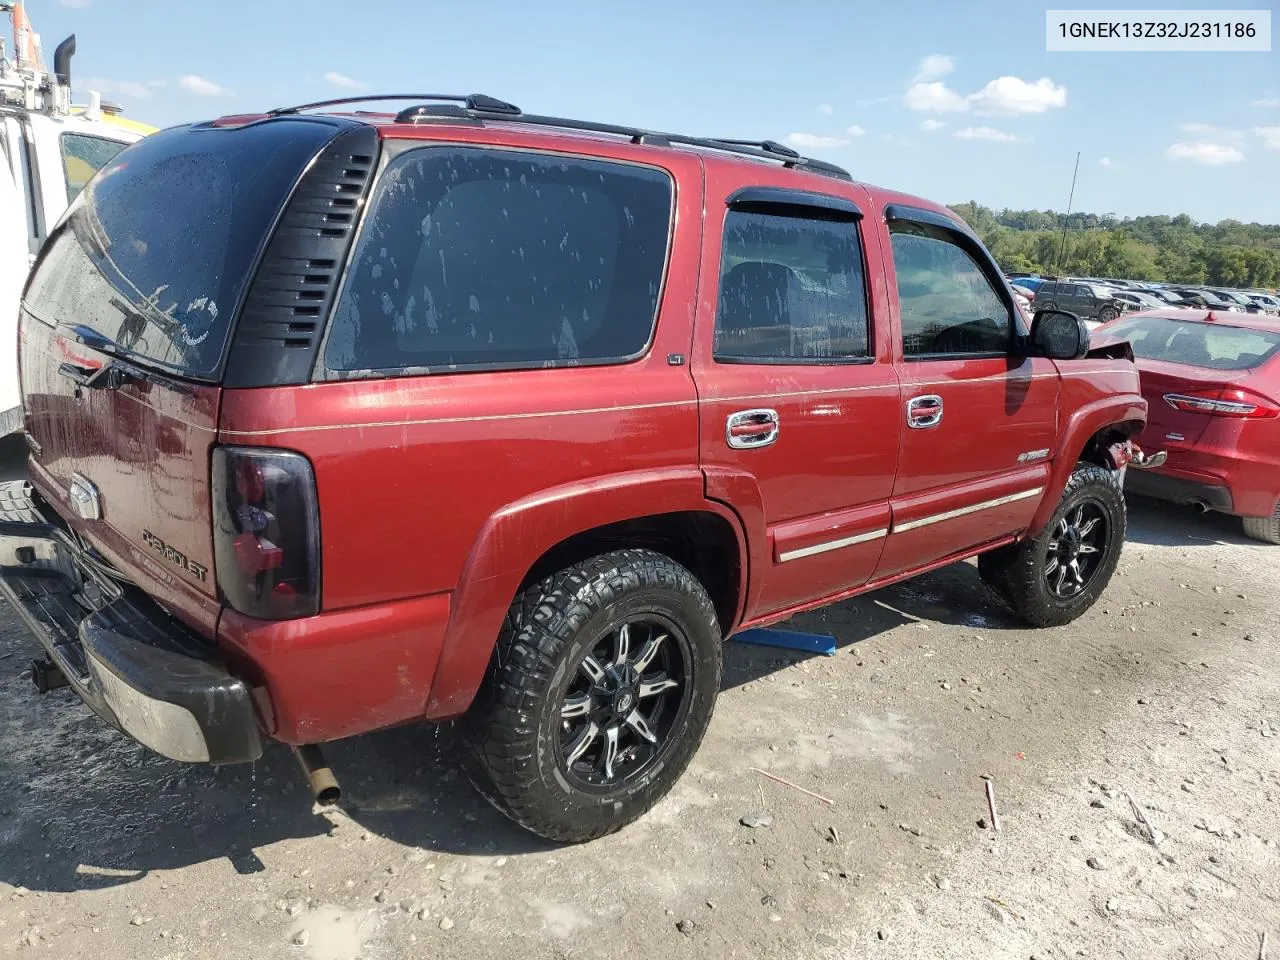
(1059, 335)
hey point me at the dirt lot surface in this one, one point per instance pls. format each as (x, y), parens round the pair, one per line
(1167, 693)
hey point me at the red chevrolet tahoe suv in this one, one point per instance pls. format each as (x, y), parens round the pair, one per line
(340, 421)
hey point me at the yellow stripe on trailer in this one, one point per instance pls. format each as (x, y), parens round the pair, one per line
(136, 126)
(124, 123)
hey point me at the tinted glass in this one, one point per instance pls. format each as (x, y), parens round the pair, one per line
(157, 249)
(948, 305)
(82, 157)
(474, 257)
(1197, 344)
(791, 288)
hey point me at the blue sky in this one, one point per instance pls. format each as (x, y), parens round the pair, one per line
(858, 83)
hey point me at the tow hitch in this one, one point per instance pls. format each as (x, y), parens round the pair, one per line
(1129, 454)
(1145, 461)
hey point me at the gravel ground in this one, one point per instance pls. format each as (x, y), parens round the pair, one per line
(1162, 706)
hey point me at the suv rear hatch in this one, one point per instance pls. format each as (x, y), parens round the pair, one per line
(125, 328)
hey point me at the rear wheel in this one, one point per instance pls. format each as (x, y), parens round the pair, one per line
(1055, 577)
(1266, 529)
(603, 683)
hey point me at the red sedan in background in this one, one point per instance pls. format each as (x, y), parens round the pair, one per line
(1212, 382)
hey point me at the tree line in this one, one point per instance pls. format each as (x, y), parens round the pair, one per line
(1174, 249)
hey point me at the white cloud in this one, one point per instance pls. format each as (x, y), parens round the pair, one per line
(121, 88)
(205, 88)
(935, 97)
(856, 131)
(342, 80)
(826, 108)
(1106, 163)
(930, 125)
(933, 67)
(1265, 102)
(1202, 151)
(1270, 136)
(814, 141)
(1012, 95)
(985, 133)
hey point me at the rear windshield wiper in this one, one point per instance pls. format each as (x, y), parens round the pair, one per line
(113, 374)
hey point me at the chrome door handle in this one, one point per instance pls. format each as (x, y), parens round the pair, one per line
(748, 429)
(924, 412)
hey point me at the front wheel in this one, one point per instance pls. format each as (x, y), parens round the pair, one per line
(602, 686)
(1107, 314)
(1055, 577)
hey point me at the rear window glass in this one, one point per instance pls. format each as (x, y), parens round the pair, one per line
(1197, 344)
(157, 249)
(477, 258)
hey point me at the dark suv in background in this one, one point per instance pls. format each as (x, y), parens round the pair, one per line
(1092, 301)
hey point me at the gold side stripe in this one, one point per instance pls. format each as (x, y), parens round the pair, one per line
(965, 511)
(832, 545)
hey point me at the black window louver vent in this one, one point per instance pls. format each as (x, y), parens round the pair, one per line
(293, 290)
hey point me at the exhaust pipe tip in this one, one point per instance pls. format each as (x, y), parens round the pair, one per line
(324, 785)
(62, 60)
(1199, 506)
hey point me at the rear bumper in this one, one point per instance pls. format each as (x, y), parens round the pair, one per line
(133, 664)
(1165, 486)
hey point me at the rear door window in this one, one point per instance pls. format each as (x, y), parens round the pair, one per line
(484, 259)
(792, 289)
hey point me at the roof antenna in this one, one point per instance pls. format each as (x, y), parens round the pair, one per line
(1062, 253)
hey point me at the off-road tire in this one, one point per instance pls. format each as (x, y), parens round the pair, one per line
(1107, 314)
(512, 728)
(1266, 529)
(1016, 573)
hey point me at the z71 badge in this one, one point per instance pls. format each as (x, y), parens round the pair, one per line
(176, 557)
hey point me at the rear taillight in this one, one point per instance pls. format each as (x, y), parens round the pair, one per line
(1228, 402)
(266, 532)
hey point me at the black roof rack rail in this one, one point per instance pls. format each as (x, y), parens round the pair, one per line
(478, 106)
(762, 149)
(472, 101)
(768, 146)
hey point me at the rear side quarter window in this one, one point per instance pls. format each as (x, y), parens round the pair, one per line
(481, 259)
